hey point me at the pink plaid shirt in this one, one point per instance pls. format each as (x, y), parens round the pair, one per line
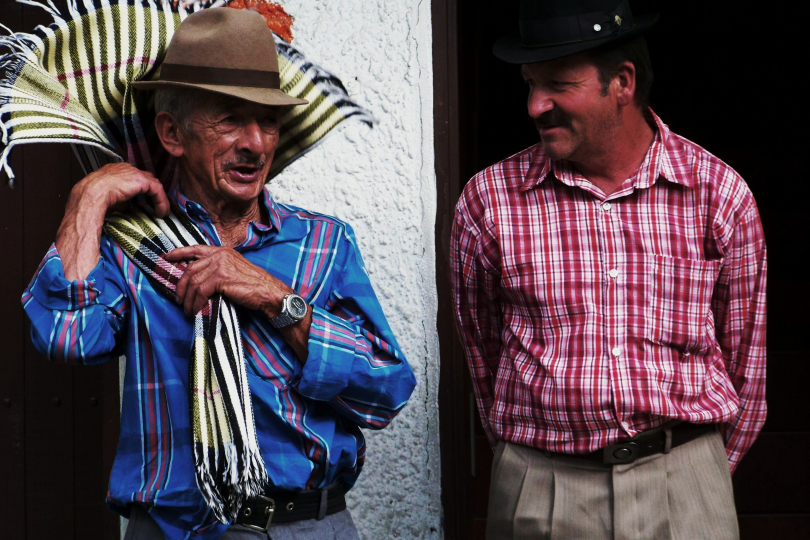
(587, 319)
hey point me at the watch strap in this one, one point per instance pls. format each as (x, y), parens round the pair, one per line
(282, 320)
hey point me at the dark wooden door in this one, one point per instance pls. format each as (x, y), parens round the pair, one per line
(729, 77)
(58, 423)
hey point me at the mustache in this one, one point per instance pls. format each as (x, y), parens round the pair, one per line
(244, 161)
(554, 117)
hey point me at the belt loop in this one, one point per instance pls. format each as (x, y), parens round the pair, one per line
(322, 510)
(668, 443)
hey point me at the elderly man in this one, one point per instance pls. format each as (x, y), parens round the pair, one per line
(609, 284)
(256, 350)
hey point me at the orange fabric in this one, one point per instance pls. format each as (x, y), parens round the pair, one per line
(277, 19)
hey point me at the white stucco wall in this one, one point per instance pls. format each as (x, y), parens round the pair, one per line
(382, 182)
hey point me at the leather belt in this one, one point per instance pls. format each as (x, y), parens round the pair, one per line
(658, 440)
(283, 507)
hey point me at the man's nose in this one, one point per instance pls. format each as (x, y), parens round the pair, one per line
(252, 138)
(539, 102)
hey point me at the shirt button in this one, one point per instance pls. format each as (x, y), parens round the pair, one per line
(606, 206)
(616, 351)
(614, 273)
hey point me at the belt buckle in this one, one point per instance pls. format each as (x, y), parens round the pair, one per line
(626, 452)
(268, 511)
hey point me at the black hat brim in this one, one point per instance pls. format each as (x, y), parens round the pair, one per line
(509, 49)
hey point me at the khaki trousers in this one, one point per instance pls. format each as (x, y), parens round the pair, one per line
(683, 495)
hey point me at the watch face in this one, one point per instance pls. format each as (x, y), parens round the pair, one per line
(298, 308)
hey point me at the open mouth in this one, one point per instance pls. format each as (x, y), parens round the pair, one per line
(245, 173)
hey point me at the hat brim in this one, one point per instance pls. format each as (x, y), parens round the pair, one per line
(509, 49)
(263, 96)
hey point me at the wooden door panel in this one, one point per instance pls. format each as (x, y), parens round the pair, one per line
(788, 374)
(774, 527)
(59, 423)
(12, 367)
(788, 310)
(772, 478)
(48, 386)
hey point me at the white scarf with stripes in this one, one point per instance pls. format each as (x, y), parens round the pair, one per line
(229, 467)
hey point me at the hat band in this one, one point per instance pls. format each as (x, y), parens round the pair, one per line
(219, 76)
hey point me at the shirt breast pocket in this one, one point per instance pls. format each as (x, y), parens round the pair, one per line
(680, 304)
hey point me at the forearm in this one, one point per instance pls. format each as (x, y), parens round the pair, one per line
(79, 239)
(79, 235)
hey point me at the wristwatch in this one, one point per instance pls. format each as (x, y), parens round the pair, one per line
(293, 309)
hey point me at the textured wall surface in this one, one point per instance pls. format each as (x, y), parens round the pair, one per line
(382, 182)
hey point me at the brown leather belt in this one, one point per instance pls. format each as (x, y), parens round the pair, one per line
(283, 507)
(658, 440)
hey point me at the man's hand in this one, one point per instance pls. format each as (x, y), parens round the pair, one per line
(219, 270)
(79, 236)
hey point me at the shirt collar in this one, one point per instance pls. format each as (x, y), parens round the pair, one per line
(198, 214)
(659, 162)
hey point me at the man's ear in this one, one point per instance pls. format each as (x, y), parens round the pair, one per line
(625, 81)
(170, 133)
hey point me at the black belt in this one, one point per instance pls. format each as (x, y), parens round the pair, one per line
(647, 443)
(283, 507)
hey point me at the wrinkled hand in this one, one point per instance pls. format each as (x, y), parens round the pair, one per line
(116, 183)
(79, 234)
(219, 270)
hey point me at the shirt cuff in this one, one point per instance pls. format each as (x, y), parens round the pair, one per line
(332, 343)
(53, 291)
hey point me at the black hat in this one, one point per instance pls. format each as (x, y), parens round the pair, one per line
(552, 29)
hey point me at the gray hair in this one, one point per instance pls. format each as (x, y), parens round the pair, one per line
(181, 102)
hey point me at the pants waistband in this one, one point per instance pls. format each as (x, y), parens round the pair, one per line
(284, 507)
(659, 440)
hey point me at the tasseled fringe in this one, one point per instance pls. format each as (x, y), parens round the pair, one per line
(226, 494)
(22, 46)
(22, 53)
(50, 8)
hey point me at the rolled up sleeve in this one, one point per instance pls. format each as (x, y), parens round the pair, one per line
(354, 361)
(75, 322)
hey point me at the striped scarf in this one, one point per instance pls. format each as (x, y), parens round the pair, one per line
(227, 461)
(69, 82)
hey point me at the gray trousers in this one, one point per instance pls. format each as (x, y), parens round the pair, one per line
(338, 526)
(683, 495)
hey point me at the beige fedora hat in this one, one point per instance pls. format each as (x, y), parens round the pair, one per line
(224, 50)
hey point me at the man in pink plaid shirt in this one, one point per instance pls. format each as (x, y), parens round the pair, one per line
(609, 284)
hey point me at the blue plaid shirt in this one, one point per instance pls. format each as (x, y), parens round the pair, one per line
(308, 416)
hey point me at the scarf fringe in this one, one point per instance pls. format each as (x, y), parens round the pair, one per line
(50, 7)
(22, 53)
(225, 489)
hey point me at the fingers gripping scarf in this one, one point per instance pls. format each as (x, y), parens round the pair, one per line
(228, 464)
